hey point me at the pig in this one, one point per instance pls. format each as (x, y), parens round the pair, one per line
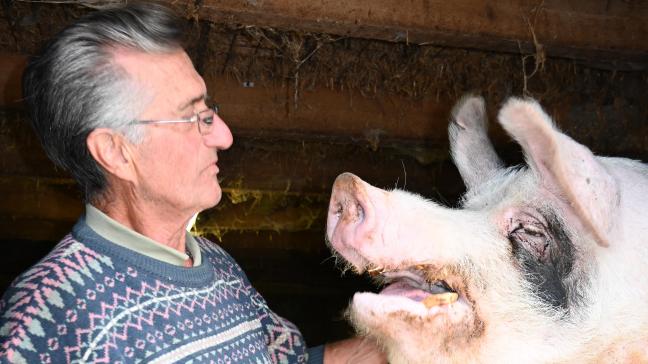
(541, 263)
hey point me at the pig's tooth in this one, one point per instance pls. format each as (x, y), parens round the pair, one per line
(375, 271)
(440, 299)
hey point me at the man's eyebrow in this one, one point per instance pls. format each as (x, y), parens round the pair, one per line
(192, 101)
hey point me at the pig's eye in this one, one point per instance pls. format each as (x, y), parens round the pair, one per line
(529, 230)
(531, 237)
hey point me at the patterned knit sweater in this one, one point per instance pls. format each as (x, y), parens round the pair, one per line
(93, 301)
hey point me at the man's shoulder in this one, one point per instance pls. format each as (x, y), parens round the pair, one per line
(42, 300)
(210, 248)
(68, 265)
(66, 260)
(220, 259)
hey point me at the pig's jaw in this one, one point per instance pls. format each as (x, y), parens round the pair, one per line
(415, 333)
(419, 301)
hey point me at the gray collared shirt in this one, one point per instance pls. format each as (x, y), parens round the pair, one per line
(119, 234)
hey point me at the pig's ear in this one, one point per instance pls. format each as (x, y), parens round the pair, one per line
(471, 149)
(565, 165)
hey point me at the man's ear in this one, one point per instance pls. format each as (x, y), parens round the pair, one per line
(112, 151)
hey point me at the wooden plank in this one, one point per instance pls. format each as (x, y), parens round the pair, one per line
(329, 112)
(320, 111)
(589, 103)
(11, 67)
(305, 166)
(564, 29)
(53, 199)
(21, 154)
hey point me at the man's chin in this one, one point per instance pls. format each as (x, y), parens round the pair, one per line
(215, 197)
(208, 198)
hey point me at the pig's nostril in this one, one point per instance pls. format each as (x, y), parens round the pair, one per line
(348, 209)
(338, 210)
(359, 212)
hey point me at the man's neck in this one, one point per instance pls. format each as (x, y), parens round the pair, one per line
(148, 220)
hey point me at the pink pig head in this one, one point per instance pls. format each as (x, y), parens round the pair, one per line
(543, 263)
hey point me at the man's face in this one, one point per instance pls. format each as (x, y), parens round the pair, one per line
(175, 165)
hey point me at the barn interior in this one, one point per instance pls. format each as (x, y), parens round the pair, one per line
(312, 89)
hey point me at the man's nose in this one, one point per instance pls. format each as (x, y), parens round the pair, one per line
(220, 136)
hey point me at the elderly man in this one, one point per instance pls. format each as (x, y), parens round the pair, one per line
(116, 101)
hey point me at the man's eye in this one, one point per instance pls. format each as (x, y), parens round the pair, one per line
(208, 120)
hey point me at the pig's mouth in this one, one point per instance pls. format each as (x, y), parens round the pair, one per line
(418, 284)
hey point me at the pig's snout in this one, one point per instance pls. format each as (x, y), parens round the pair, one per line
(350, 214)
(348, 205)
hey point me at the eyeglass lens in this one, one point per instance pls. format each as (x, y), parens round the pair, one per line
(206, 119)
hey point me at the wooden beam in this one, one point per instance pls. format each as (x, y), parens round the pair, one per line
(606, 31)
(269, 106)
(590, 105)
(11, 67)
(54, 199)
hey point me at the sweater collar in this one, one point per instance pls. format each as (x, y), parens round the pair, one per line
(121, 235)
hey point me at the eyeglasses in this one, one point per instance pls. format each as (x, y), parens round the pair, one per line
(205, 119)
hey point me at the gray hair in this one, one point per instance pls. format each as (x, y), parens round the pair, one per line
(72, 86)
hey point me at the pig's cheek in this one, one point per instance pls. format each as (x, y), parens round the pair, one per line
(402, 237)
(440, 331)
(383, 230)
